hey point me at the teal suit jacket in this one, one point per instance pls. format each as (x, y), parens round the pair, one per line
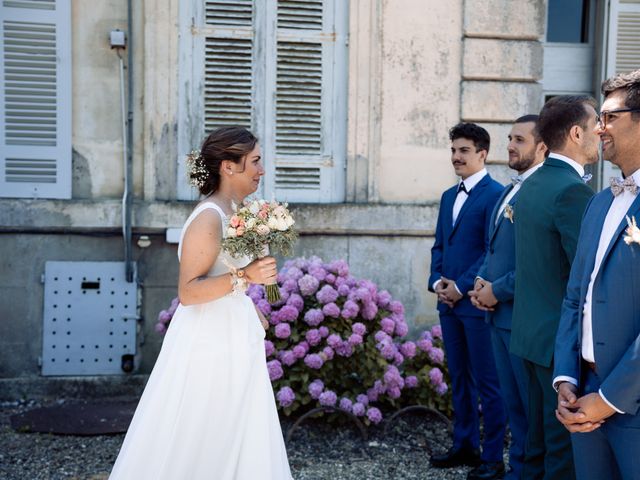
(547, 220)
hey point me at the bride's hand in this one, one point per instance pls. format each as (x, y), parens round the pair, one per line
(262, 271)
(263, 321)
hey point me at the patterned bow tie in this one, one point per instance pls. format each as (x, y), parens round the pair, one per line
(628, 184)
(516, 179)
(587, 177)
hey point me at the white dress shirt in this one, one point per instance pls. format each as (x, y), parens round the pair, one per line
(576, 166)
(523, 176)
(616, 214)
(469, 182)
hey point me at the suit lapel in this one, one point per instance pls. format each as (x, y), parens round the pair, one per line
(556, 162)
(633, 211)
(495, 222)
(597, 217)
(474, 194)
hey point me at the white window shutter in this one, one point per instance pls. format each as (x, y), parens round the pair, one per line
(216, 64)
(307, 157)
(623, 52)
(36, 98)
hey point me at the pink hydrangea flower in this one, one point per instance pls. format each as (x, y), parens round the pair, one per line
(285, 396)
(308, 285)
(359, 328)
(328, 398)
(324, 331)
(313, 336)
(331, 310)
(408, 349)
(387, 325)
(283, 330)
(355, 339)
(315, 388)
(374, 415)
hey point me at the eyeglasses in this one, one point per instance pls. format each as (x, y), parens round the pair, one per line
(604, 117)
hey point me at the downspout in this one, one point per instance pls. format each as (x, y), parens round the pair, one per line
(128, 152)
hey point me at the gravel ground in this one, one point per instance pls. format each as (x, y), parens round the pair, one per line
(317, 450)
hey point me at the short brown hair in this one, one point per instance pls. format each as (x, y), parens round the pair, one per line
(630, 83)
(560, 114)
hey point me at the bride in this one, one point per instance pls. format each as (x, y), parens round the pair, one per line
(208, 410)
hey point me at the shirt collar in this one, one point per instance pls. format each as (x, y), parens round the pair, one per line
(472, 180)
(531, 171)
(576, 166)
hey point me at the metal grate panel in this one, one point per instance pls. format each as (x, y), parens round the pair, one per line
(90, 314)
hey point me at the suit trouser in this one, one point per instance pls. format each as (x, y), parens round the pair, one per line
(467, 342)
(549, 455)
(513, 386)
(611, 451)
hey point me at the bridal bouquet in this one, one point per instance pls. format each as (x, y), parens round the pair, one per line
(260, 228)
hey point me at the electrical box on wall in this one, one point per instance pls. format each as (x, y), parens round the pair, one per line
(90, 324)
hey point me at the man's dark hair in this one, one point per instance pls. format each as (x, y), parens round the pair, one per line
(478, 135)
(630, 83)
(531, 117)
(560, 114)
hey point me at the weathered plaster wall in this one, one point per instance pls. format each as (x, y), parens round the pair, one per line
(420, 83)
(97, 117)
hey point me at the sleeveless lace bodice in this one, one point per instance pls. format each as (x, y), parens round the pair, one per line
(219, 267)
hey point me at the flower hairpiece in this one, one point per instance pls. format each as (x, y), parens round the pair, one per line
(196, 170)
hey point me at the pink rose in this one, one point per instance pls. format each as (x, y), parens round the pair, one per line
(235, 221)
(240, 231)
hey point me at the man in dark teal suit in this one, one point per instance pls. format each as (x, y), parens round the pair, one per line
(598, 345)
(547, 221)
(495, 284)
(456, 256)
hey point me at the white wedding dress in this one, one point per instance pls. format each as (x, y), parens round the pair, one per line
(208, 410)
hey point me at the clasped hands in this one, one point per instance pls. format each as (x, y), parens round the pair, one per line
(482, 296)
(447, 292)
(584, 414)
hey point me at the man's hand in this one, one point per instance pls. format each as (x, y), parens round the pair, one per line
(440, 290)
(482, 296)
(450, 292)
(568, 412)
(594, 407)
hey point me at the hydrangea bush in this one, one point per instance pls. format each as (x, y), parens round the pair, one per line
(338, 341)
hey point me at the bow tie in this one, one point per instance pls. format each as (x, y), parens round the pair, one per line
(587, 177)
(462, 188)
(628, 184)
(516, 180)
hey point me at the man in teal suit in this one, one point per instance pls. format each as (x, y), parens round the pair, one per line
(495, 283)
(547, 221)
(456, 256)
(598, 345)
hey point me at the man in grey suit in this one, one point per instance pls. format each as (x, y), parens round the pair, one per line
(495, 284)
(597, 371)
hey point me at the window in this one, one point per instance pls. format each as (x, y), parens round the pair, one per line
(569, 48)
(35, 71)
(279, 68)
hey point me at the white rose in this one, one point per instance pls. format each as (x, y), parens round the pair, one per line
(279, 211)
(272, 223)
(231, 232)
(250, 223)
(282, 224)
(254, 208)
(289, 221)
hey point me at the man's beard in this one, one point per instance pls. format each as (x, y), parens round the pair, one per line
(523, 162)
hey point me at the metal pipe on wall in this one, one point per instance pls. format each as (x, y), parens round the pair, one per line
(128, 140)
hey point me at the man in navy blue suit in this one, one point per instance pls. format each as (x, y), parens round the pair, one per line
(456, 256)
(495, 285)
(597, 370)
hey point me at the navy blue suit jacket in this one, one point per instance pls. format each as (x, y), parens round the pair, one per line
(458, 250)
(499, 266)
(615, 311)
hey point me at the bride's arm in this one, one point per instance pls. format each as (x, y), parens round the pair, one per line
(200, 249)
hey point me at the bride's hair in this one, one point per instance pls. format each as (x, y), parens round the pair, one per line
(226, 143)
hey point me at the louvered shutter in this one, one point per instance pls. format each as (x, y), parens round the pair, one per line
(36, 99)
(310, 93)
(623, 51)
(624, 37)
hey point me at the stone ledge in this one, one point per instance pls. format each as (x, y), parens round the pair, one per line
(84, 216)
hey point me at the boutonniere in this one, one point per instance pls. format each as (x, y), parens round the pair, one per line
(632, 232)
(508, 212)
